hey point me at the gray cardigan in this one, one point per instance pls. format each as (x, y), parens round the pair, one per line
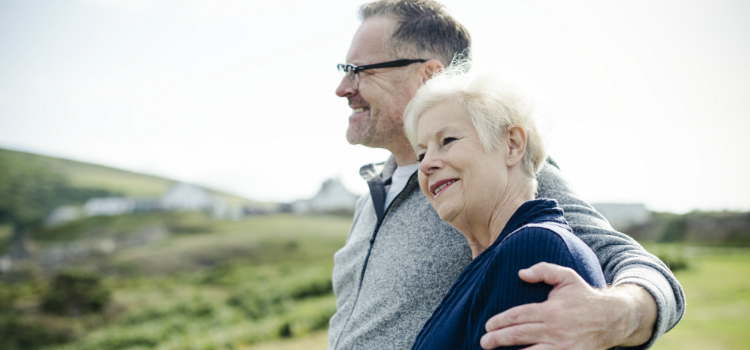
(397, 265)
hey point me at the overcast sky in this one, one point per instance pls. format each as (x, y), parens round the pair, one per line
(647, 101)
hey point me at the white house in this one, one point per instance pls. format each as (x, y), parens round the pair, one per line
(61, 215)
(332, 197)
(184, 197)
(622, 215)
(109, 206)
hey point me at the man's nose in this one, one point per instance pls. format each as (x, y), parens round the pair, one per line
(345, 88)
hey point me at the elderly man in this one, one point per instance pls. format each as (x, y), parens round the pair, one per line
(400, 258)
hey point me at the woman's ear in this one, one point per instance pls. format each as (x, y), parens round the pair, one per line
(515, 136)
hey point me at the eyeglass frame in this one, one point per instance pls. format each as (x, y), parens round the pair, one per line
(352, 71)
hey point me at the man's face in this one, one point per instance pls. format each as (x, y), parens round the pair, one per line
(378, 105)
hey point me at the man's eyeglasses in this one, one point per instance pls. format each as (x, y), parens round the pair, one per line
(352, 71)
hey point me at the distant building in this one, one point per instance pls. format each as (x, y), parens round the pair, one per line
(264, 210)
(184, 197)
(622, 216)
(109, 206)
(333, 197)
(179, 197)
(61, 215)
(221, 210)
(143, 205)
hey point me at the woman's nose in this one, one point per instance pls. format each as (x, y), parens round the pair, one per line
(430, 163)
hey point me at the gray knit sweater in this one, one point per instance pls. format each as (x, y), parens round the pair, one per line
(397, 265)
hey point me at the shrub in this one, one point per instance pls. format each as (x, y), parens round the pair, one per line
(737, 238)
(20, 333)
(675, 230)
(75, 293)
(675, 262)
(308, 316)
(312, 288)
(257, 305)
(673, 255)
(8, 296)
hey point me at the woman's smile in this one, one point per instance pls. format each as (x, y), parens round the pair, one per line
(438, 187)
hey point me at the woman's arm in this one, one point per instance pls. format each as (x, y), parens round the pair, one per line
(502, 288)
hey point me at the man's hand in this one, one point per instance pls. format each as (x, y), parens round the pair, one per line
(575, 315)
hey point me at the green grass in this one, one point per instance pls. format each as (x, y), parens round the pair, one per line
(5, 231)
(316, 340)
(717, 288)
(257, 240)
(228, 286)
(264, 282)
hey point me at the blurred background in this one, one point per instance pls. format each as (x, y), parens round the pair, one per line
(174, 174)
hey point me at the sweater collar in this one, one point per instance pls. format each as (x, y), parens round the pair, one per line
(380, 172)
(531, 212)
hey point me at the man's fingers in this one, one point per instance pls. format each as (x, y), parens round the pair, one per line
(551, 322)
(528, 313)
(548, 273)
(527, 333)
(543, 346)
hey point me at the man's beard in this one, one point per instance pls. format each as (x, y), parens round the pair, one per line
(360, 132)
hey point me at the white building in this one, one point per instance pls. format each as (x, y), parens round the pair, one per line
(61, 215)
(332, 197)
(621, 216)
(109, 206)
(184, 197)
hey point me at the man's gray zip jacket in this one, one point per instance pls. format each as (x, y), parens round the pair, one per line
(398, 263)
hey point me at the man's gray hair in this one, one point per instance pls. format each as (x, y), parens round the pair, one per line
(425, 30)
(493, 105)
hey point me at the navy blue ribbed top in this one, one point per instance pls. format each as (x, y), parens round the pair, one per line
(490, 284)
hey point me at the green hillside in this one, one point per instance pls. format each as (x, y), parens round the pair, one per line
(221, 285)
(87, 175)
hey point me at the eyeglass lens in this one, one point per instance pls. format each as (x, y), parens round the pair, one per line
(350, 71)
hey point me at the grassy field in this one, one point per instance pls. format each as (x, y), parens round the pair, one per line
(229, 286)
(264, 283)
(314, 341)
(717, 287)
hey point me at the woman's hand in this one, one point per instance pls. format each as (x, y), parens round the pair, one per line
(575, 316)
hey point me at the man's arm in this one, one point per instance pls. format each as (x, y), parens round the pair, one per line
(588, 322)
(628, 316)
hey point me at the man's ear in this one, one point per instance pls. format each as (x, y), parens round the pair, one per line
(515, 136)
(429, 68)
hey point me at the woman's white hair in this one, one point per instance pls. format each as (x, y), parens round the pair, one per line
(493, 105)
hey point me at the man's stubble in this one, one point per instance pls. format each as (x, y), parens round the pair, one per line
(383, 127)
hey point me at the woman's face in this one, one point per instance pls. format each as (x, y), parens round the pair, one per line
(458, 175)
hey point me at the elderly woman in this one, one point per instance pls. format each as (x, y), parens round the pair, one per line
(479, 152)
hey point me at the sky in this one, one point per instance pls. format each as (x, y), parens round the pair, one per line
(645, 101)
